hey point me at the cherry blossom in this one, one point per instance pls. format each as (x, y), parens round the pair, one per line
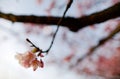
(35, 64)
(29, 59)
(110, 67)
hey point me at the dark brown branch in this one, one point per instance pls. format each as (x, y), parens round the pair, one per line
(74, 24)
(37, 49)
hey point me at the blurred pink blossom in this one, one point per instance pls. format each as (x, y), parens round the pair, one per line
(29, 59)
(110, 67)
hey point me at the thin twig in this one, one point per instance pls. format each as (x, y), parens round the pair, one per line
(33, 45)
(68, 6)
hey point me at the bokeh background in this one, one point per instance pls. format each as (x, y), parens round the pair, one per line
(13, 35)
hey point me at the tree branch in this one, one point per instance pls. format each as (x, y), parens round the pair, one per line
(74, 24)
(101, 42)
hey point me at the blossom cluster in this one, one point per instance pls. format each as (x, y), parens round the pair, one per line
(110, 67)
(30, 59)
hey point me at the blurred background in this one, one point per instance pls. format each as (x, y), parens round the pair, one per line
(67, 43)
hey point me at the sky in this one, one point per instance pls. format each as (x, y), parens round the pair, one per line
(13, 35)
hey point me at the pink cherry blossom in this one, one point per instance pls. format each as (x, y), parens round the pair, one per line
(35, 64)
(110, 67)
(26, 59)
(29, 59)
(41, 64)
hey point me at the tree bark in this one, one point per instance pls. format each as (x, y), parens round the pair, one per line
(74, 24)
